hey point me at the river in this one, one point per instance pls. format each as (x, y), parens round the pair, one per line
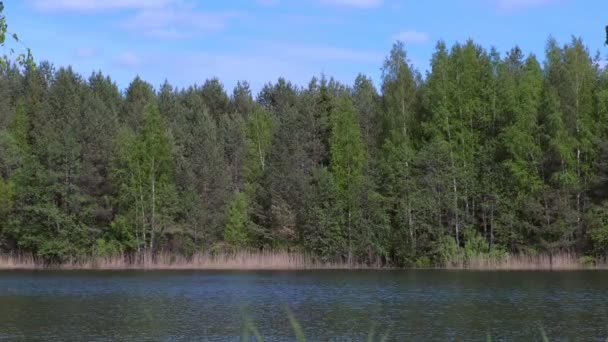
(329, 305)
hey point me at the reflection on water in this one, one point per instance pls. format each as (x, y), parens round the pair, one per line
(330, 305)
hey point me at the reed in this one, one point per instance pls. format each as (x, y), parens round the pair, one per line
(20, 261)
(280, 260)
(243, 260)
(563, 261)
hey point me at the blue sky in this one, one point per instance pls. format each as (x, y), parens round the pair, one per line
(188, 41)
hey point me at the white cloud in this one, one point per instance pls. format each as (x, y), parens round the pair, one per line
(412, 37)
(323, 53)
(88, 52)
(177, 22)
(316, 53)
(355, 3)
(154, 18)
(127, 60)
(257, 68)
(256, 61)
(513, 5)
(98, 5)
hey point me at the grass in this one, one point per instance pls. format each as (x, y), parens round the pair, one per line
(251, 330)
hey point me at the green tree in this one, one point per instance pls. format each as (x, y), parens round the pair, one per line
(347, 166)
(139, 95)
(200, 169)
(397, 152)
(522, 141)
(96, 133)
(24, 59)
(236, 232)
(367, 102)
(570, 139)
(38, 224)
(144, 179)
(258, 139)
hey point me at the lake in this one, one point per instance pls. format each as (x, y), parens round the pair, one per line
(329, 305)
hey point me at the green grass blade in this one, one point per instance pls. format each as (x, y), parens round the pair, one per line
(543, 334)
(385, 336)
(245, 336)
(254, 330)
(372, 333)
(297, 328)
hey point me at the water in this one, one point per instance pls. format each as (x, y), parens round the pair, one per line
(330, 305)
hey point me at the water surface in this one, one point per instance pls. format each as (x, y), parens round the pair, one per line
(330, 305)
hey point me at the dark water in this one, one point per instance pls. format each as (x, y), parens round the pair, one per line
(330, 305)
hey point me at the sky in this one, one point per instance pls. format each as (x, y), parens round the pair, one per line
(189, 41)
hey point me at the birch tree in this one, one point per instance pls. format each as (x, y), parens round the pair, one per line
(144, 179)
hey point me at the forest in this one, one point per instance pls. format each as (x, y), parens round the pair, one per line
(482, 154)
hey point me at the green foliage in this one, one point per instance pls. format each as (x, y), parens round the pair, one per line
(24, 59)
(104, 248)
(6, 203)
(347, 153)
(238, 224)
(475, 247)
(598, 229)
(446, 250)
(486, 154)
(347, 167)
(120, 235)
(259, 138)
(323, 234)
(144, 177)
(423, 262)
(38, 224)
(587, 261)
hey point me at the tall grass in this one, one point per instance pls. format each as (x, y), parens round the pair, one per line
(250, 329)
(299, 334)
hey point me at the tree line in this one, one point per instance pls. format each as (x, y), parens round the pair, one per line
(483, 154)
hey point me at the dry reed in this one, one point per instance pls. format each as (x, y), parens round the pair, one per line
(277, 260)
(244, 260)
(563, 261)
